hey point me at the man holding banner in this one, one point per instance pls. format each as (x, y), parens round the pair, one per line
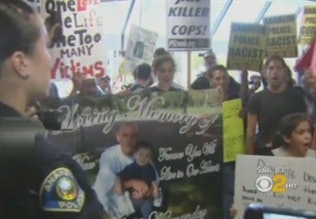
(112, 161)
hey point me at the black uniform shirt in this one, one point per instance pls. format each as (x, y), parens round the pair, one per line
(45, 184)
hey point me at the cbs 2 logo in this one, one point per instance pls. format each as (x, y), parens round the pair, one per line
(278, 184)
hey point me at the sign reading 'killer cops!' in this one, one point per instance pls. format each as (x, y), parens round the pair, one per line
(184, 130)
(188, 24)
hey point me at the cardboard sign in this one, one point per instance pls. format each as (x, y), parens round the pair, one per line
(283, 182)
(78, 44)
(188, 25)
(140, 47)
(247, 44)
(233, 130)
(308, 27)
(282, 39)
(186, 138)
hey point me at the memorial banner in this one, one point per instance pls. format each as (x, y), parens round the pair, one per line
(176, 137)
(188, 25)
(282, 35)
(308, 27)
(247, 46)
(140, 47)
(283, 182)
(77, 44)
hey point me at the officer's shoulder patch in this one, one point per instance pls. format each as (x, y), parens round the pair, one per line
(61, 192)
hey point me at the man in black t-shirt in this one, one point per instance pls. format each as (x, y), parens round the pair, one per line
(266, 108)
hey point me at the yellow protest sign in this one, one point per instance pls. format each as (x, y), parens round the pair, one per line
(308, 27)
(247, 46)
(233, 130)
(281, 35)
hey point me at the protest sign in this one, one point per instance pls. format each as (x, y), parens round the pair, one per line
(233, 130)
(283, 182)
(186, 139)
(78, 44)
(188, 25)
(247, 44)
(308, 27)
(282, 39)
(140, 47)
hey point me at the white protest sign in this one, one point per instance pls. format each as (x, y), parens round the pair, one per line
(78, 45)
(188, 24)
(283, 182)
(140, 48)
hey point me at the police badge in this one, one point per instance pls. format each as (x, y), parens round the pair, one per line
(61, 192)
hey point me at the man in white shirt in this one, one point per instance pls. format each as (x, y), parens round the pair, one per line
(112, 161)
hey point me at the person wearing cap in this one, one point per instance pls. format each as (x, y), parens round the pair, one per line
(202, 82)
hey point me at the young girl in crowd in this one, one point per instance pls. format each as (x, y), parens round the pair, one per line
(295, 137)
(164, 68)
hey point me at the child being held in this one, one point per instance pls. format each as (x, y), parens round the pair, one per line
(141, 169)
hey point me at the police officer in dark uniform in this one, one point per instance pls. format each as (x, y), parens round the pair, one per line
(42, 183)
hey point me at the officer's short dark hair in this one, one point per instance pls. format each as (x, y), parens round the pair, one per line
(18, 32)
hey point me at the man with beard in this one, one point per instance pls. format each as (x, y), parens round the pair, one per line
(266, 108)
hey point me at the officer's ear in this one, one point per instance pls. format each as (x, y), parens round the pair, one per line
(20, 63)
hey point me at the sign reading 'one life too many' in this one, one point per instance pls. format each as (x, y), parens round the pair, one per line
(78, 43)
(188, 24)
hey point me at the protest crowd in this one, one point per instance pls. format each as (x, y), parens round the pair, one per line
(141, 144)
